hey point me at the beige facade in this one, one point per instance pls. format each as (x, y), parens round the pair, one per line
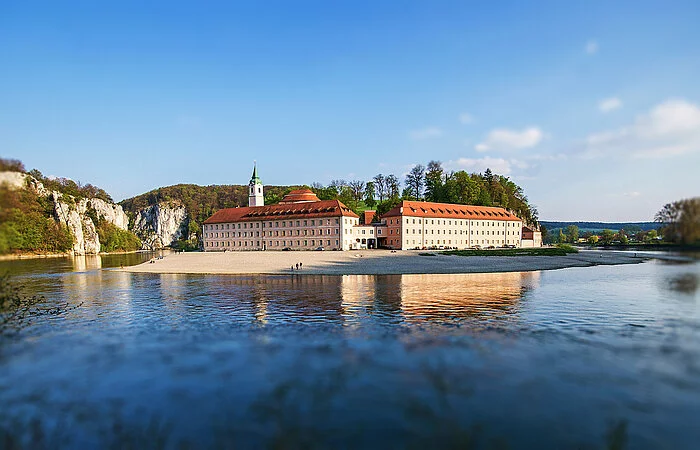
(406, 231)
(420, 232)
(295, 234)
(531, 238)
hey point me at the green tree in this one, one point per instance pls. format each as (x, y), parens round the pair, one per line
(650, 236)
(370, 194)
(11, 165)
(434, 182)
(357, 188)
(572, 234)
(380, 187)
(593, 239)
(681, 220)
(415, 183)
(393, 186)
(562, 238)
(607, 236)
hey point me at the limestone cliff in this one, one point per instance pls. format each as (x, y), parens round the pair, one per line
(76, 214)
(161, 224)
(77, 217)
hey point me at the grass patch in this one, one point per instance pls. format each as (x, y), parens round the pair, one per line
(426, 254)
(568, 248)
(556, 251)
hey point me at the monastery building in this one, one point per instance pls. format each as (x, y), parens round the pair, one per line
(301, 221)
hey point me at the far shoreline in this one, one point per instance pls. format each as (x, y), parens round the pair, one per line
(23, 256)
(375, 262)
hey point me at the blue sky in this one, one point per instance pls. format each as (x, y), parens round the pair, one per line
(593, 107)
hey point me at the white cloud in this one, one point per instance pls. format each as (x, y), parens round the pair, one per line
(505, 139)
(497, 165)
(669, 129)
(425, 133)
(631, 194)
(609, 104)
(466, 118)
(591, 47)
(501, 166)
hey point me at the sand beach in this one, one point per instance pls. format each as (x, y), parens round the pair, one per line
(375, 262)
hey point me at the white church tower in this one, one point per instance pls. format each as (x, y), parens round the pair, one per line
(255, 189)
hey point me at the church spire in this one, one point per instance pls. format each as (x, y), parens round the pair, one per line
(255, 177)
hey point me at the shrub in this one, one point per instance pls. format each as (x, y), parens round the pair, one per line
(567, 248)
(113, 238)
(26, 226)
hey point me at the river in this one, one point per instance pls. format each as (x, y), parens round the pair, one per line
(595, 357)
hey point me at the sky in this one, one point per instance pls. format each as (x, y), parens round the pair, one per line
(593, 107)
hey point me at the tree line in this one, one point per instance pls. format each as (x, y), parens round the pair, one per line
(431, 183)
(678, 223)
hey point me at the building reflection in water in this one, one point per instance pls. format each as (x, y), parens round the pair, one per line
(173, 292)
(350, 300)
(416, 298)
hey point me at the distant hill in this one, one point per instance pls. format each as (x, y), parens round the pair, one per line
(600, 226)
(173, 215)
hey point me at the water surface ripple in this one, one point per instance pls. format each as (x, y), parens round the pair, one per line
(599, 357)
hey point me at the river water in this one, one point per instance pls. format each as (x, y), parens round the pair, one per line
(597, 357)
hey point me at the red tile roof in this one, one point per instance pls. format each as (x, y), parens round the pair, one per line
(300, 195)
(307, 210)
(450, 211)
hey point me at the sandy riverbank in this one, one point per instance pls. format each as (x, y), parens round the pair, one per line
(373, 262)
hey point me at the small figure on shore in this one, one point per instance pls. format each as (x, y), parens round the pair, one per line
(292, 268)
(297, 266)
(301, 265)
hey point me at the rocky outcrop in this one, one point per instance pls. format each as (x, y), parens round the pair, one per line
(68, 215)
(18, 180)
(110, 212)
(78, 217)
(13, 180)
(161, 225)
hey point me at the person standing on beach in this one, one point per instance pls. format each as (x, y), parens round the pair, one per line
(301, 265)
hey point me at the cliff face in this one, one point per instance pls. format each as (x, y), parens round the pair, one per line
(77, 217)
(161, 225)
